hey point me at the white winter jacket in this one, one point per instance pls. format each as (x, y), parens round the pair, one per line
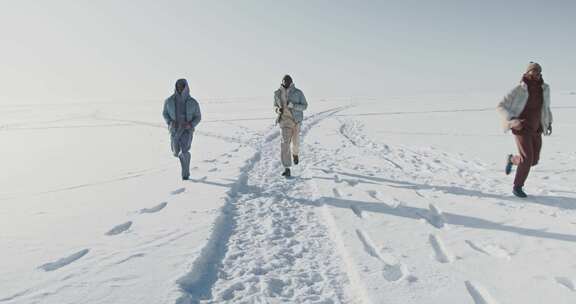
(513, 104)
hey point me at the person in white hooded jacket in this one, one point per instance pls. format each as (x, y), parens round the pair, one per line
(289, 104)
(526, 111)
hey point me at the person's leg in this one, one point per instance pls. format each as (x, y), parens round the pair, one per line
(536, 148)
(185, 143)
(524, 160)
(285, 154)
(175, 143)
(296, 140)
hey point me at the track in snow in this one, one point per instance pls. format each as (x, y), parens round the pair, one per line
(64, 261)
(269, 242)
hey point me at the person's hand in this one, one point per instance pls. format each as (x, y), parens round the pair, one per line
(548, 130)
(278, 110)
(516, 124)
(173, 124)
(187, 125)
(290, 105)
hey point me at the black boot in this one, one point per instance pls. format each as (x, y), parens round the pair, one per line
(296, 159)
(519, 192)
(286, 173)
(509, 164)
(185, 177)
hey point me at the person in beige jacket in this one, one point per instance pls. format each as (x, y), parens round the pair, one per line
(526, 111)
(289, 104)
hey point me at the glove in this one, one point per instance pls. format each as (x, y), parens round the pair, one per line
(548, 130)
(516, 124)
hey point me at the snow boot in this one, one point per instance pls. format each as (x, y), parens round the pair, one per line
(286, 173)
(509, 164)
(296, 159)
(519, 192)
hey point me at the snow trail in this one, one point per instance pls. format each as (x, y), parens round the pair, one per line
(271, 242)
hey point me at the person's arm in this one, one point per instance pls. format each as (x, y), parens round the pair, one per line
(197, 116)
(166, 115)
(277, 103)
(548, 131)
(504, 108)
(302, 104)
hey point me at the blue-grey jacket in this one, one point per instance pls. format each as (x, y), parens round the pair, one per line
(193, 115)
(295, 97)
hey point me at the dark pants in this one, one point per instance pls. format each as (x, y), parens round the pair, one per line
(181, 140)
(529, 146)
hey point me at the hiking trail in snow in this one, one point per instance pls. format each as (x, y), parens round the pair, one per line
(270, 241)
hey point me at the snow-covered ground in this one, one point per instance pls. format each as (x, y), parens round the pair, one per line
(396, 200)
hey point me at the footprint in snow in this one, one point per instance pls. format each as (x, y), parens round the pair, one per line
(178, 191)
(369, 248)
(390, 202)
(392, 270)
(119, 228)
(352, 182)
(275, 287)
(435, 217)
(134, 256)
(395, 272)
(356, 211)
(479, 294)
(154, 209)
(199, 180)
(442, 254)
(327, 171)
(228, 293)
(566, 282)
(64, 261)
(374, 194)
(337, 192)
(490, 250)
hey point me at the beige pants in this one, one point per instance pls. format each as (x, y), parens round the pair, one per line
(290, 144)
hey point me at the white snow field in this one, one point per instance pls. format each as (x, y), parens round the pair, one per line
(396, 200)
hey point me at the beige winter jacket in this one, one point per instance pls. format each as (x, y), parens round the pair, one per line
(513, 104)
(286, 118)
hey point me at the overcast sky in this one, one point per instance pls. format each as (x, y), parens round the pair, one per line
(80, 50)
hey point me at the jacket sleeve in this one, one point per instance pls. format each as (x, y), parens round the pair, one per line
(277, 103)
(302, 104)
(548, 108)
(165, 114)
(197, 116)
(504, 107)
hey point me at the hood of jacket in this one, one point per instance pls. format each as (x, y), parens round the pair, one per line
(185, 92)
